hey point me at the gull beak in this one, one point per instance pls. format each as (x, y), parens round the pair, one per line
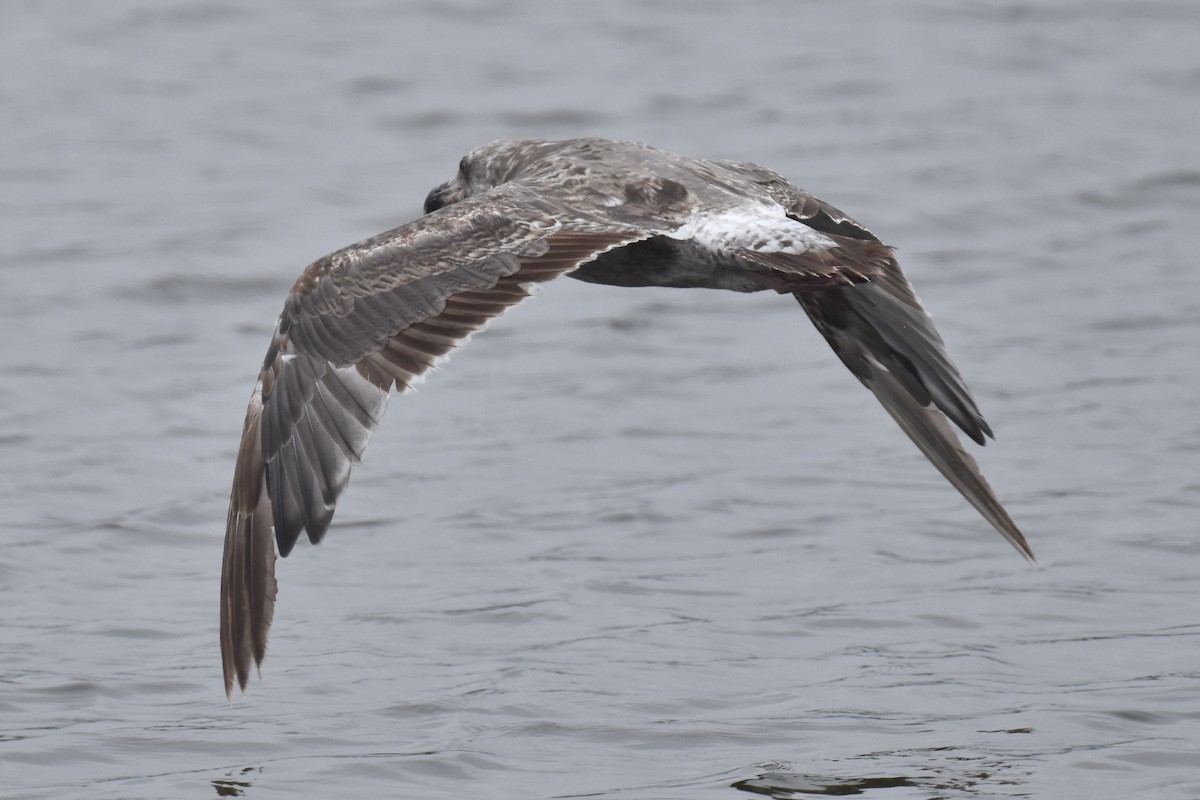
(443, 195)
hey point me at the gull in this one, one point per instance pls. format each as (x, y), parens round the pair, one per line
(378, 315)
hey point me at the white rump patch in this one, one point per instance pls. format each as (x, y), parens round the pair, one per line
(752, 226)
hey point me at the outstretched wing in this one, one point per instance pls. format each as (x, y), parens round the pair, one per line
(880, 331)
(358, 323)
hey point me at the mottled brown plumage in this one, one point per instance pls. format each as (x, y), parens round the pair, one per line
(376, 316)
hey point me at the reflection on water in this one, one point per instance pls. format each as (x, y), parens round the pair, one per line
(236, 784)
(630, 544)
(948, 771)
(785, 786)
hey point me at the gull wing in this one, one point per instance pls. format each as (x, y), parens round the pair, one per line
(882, 334)
(358, 323)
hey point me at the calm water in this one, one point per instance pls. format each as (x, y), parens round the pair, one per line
(691, 558)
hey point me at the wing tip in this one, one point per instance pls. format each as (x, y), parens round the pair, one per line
(248, 586)
(1012, 533)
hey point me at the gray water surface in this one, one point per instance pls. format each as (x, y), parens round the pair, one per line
(631, 543)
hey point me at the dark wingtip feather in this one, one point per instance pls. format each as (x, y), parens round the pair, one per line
(248, 585)
(890, 345)
(932, 434)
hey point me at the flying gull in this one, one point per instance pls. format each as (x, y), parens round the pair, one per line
(377, 315)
